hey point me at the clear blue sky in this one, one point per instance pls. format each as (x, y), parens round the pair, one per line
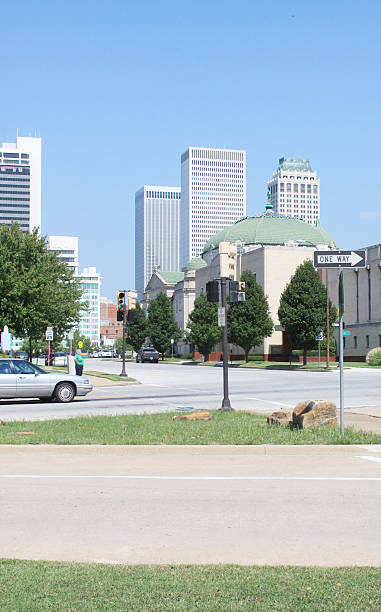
(119, 90)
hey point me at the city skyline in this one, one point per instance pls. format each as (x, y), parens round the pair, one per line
(114, 113)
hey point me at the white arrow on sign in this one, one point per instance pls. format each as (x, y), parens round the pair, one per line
(352, 258)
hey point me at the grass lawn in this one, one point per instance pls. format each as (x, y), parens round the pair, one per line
(33, 586)
(223, 428)
(114, 377)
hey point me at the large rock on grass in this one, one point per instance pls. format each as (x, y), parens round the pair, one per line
(280, 418)
(319, 413)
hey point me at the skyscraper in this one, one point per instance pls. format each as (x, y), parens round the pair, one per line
(67, 249)
(213, 195)
(295, 190)
(89, 324)
(20, 183)
(157, 232)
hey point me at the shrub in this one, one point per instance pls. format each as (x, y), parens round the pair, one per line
(373, 358)
(255, 358)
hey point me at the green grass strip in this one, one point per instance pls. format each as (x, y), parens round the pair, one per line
(33, 586)
(223, 428)
(114, 377)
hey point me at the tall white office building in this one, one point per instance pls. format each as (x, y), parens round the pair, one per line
(213, 195)
(67, 249)
(295, 190)
(20, 183)
(89, 324)
(157, 232)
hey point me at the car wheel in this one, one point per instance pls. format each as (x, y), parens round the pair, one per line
(64, 392)
(137, 360)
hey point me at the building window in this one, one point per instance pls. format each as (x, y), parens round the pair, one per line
(355, 342)
(367, 341)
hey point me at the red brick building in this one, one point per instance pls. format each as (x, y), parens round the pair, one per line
(110, 327)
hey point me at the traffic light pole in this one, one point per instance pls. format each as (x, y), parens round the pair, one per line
(123, 372)
(226, 401)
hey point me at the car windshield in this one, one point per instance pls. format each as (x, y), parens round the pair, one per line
(149, 350)
(24, 367)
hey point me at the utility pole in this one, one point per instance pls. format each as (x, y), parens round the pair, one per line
(226, 401)
(123, 372)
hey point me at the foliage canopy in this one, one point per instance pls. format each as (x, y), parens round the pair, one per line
(37, 289)
(302, 308)
(161, 324)
(203, 327)
(249, 322)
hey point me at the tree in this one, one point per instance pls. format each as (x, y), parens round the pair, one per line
(37, 289)
(302, 308)
(249, 322)
(137, 331)
(161, 323)
(203, 325)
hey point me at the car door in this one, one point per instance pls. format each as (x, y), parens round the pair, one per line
(7, 379)
(28, 382)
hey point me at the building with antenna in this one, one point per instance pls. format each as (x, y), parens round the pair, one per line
(20, 182)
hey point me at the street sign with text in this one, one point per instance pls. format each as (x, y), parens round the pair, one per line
(221, 317)
(339, 259)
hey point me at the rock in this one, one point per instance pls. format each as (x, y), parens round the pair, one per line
(195, 416)
(280, 418)
(319, 413)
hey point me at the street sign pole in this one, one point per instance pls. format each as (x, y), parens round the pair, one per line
(341, 351)
(225, 402)
(319, 353)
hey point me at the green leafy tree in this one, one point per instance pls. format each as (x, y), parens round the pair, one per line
(119, 345)
(161, 323)
(37, 289)
(249, 322)
(203, 326)
(137, 331)
(302, 308)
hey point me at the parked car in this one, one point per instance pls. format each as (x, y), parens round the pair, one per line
(57, 359)
(21, 355)
(105, 353)
(19, 378)
(147, 353)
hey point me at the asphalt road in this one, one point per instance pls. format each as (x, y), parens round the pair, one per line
(165, 387)
(249, 505)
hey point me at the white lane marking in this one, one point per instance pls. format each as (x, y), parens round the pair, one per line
(259, 399)
(370, 458)
(150, 477)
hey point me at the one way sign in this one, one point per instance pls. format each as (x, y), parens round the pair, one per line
(339, 259)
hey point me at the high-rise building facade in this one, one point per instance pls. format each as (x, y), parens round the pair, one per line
(157, 232)
(213, 195)
(295, 190)
(89, 324)
(20, 183)
(67, 249)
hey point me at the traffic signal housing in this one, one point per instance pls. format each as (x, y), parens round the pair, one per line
(212, 291)
(120, 302)
(237, 291)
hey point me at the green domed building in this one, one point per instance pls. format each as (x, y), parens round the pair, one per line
(271, 229)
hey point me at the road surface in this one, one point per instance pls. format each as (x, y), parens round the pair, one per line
(249, 505)
(166, 387)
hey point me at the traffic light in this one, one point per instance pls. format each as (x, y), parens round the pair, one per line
(237, 291)
(120, 302)
(212, 291)
(132, 316)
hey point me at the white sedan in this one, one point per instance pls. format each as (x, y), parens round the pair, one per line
(19, 378)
